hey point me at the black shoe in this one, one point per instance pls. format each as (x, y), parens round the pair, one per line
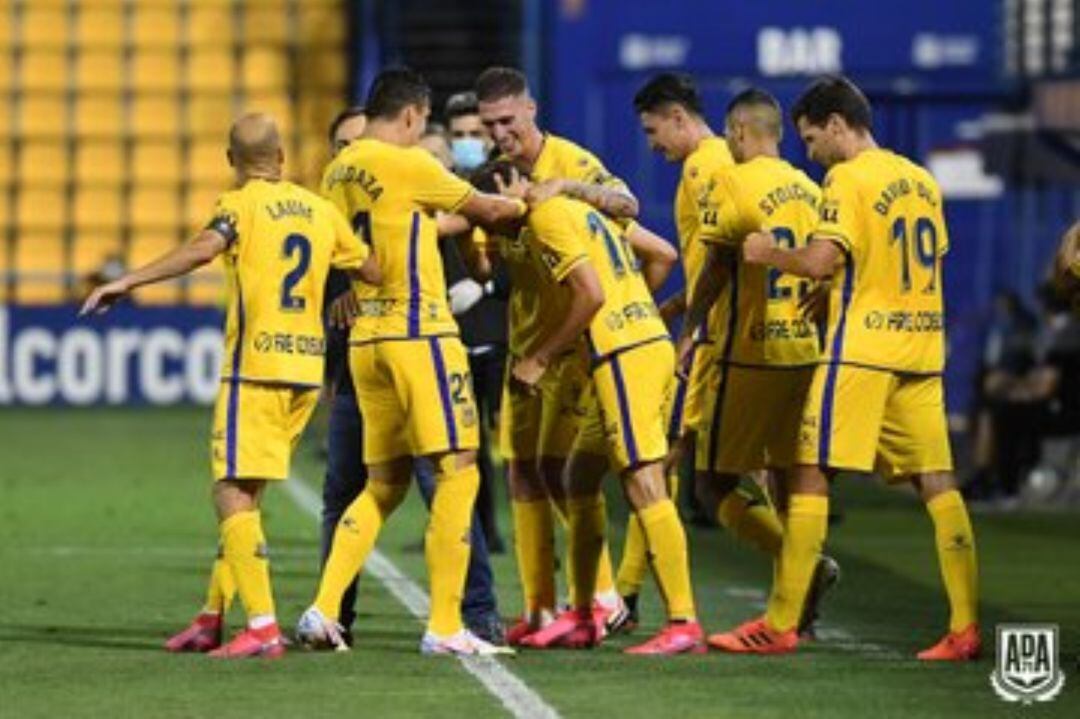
(489, 628)
(826, 575)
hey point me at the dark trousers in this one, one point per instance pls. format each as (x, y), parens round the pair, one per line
(487, 370)
(345, 479)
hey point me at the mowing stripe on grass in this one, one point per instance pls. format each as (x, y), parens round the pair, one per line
(514, 694)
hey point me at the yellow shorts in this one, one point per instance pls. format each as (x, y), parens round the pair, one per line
(628, 412)
(256, 426)
(416, 397)
(865, 419)
(704, 375)
(753, 419)
(545, 424)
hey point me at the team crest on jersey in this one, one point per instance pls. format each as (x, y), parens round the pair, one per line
(1027, 669)
(550, 257)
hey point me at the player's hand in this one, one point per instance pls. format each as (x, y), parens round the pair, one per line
(544, 191)
(757, 247)
(814, 305)
(344, 309)
(104, 297)
(526, 373)
(517, 187)
(684, 353)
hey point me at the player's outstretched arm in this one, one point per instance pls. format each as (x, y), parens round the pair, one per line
(493, 212)
(617, 202)
(657, 255)
(715, 274)
(198, 251)
(817, 260)
(586, 299)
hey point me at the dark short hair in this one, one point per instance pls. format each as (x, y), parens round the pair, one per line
(495, 83)
(347, 114)
(483, 177)
(833, 94)
(460, 104)
(668, 88)
(755, 97)
(395, 89)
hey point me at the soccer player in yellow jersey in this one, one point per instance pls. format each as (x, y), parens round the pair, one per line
(768, 350)
(670, 111)
(1066, 269)
(408, 365)
(556, 166)
(278, 242)
(876, 401)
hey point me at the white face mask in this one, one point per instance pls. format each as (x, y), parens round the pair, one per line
(468, 152)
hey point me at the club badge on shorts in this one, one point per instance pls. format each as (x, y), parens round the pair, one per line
(1027, 667)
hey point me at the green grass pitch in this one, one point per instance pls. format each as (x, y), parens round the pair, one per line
(107, 533)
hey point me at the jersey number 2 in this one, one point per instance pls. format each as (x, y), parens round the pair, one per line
(295, 244)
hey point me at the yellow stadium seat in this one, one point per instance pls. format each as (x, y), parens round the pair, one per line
(100, 26)
(100, 71)
(157, 26)
(275, 104)
(6, 79)
(90, 251)
(43, 71)
(148, 246)
(265, 69)
(42, 116)
(157, 162)
(323, 26)
(155, 209)
(44, 25)
(43, 163)
(210, 116)
(99, 115)
(207, 164)
(325, 69)
(266, 23)
(98, 208)
(211, 24)
(210, 69)
(200, 206)
(40, 208)
(99, 162)
(40, 269)
(155, 116)
(155, 71)
(206, 285)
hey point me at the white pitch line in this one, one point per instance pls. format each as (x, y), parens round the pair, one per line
(826, 632)
(514, 694)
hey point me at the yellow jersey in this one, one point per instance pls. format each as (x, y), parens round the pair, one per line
(391, 194)
(886, 311)
(561, 158)
(691, 199)
(629, 316)
(282, 242)
(759, 317)
(538, 259)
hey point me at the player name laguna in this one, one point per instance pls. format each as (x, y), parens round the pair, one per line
(905, 321)
(631, 313)
(286, 343)
(780, 196)
(901, 188)
(283, 209)
(781, 329)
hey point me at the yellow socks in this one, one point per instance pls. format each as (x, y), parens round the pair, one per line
(353, 540)
(752, 520)
(244, 550)
(446, 545)
(666, 540)
(635, 559)
(634, 564)
(804, 534)
(534, 545)
(222, 589)
(585, 546)
(955, 542)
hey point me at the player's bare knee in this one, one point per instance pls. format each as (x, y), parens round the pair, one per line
(808, 479)
(525, 482)
(584, 474)
(932, 484)
(393, 471)
(236, 495)
(644, 486)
